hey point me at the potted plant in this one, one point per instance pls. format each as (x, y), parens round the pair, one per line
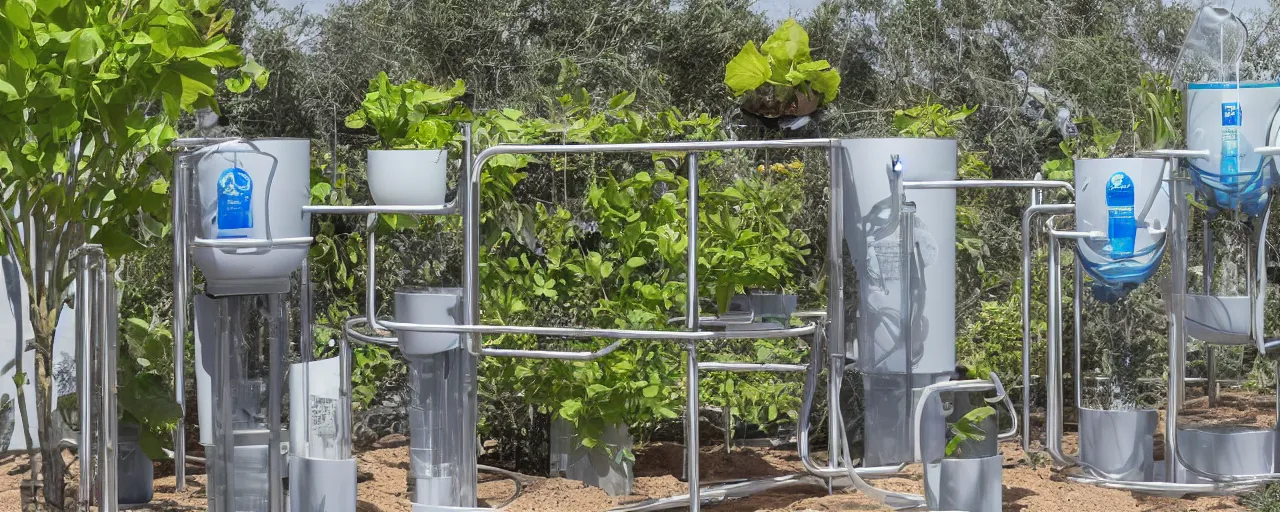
(966, 475)
(415, 126)
(779, 83)
(749, 246)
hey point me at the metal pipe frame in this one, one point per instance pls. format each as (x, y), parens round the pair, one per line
(752, 367)
(692, 312)
(1053, 382)
(84, 334)
(1224, 484)
(275, 398)
(1028, 215)
(96, 349)
(833, 334)
(107, 450)
(471, 221)
(181, 302)
(1210, 357)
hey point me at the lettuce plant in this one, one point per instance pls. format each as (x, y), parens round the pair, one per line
(412, 115)
(780, 78)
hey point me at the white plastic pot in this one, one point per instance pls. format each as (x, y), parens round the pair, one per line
(408, 177)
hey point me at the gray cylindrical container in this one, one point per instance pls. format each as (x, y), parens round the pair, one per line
(251, 189)
(441, 435)
(1227, 450)
(1118, 445)
(1230, 119)
(872, 236)
(871, 232)
(135, 483)
(972, 485)
(438, 306)
(1126, 199)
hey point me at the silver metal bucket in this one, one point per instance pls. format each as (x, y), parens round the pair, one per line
(592, 466)
(971, 485)
(1118, 445)
(1227, 450)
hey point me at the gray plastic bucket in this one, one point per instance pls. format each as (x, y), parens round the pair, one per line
(971, 485)
(1118, 445)
(438, 306)
(1227, 450)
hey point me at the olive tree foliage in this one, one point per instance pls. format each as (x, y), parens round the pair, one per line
(89, 94)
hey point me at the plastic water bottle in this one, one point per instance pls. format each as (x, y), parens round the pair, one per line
(1230, 161)
(1122, 228)
(235, 203)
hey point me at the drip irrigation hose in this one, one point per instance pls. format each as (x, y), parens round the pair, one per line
(510, 475)
(895, 500)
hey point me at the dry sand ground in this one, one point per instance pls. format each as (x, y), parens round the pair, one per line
(1026, 488)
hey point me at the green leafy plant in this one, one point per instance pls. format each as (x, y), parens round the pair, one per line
(931, 120)
(750, 245)
(1158, 119)
(145, 391)
(780, 78)
(968, 429)
(412, 115)
(1095, 141)
(111, 78)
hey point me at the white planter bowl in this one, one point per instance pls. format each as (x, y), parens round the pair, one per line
(408, 177)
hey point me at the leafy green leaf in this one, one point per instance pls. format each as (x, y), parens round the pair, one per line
(747, 71)
(17, 14)
(788, 44)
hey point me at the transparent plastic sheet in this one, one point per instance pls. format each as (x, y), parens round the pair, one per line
(1212, 49)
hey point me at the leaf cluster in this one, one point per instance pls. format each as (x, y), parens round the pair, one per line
(781, 77)
(411, 115)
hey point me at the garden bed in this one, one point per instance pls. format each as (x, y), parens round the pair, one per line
(383, 469)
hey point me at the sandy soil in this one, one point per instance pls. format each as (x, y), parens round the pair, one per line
(1027, 487)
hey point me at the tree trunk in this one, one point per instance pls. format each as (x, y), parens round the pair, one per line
(52, 468)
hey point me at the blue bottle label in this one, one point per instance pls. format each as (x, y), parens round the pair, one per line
(1231, 114)
(1122, 228)
(1230, 161)
(235, 203)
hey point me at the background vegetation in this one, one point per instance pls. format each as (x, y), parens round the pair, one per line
(994, 75)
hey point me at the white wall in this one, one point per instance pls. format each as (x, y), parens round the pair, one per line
(15, 332)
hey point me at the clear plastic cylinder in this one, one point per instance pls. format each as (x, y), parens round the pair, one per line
(436, 428)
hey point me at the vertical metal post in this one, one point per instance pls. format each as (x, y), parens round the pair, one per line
(691, 313)
(1177, 317)
(835, 306)
(471, 387)
(1053, 375)
(107, 461)
(84, 358)
(1211, 359)
(371, 293)
(225, 353)
(275, 392)
(181, 298)
(906, 260)
(471, 248)
(1026, 323)
(1076, 361)
(306, 340)
(344, 396)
